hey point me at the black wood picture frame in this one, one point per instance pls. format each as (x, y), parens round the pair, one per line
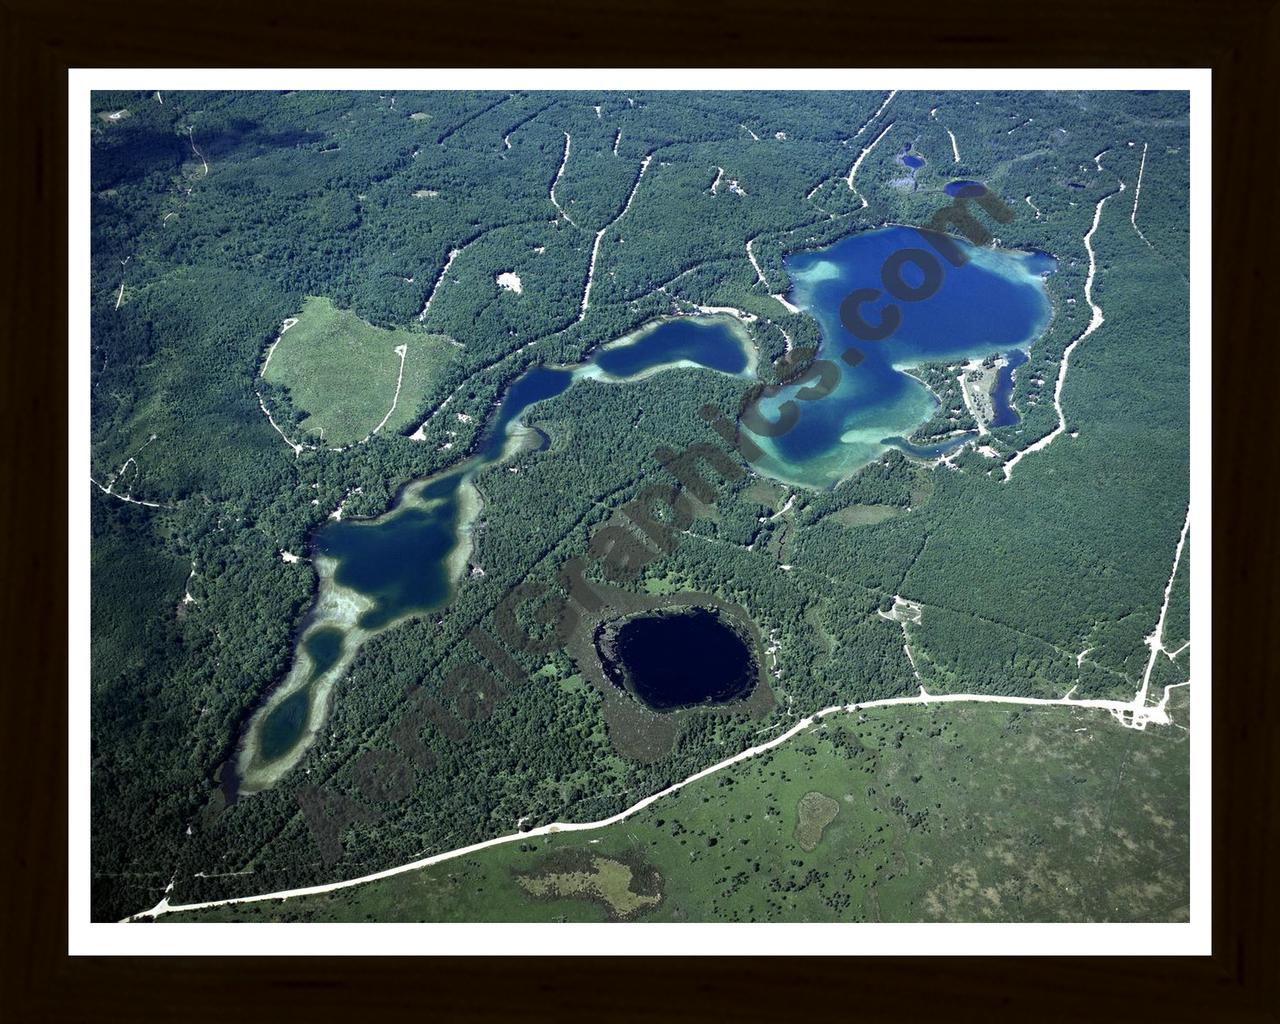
(41, 39)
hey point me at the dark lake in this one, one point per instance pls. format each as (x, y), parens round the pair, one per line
(281, 729)
(911, 160)
(956, 188)
(401, 560)
(324, 645)
(681, 659)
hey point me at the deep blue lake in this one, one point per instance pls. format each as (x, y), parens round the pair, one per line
(681, 659)
(995, 302)
(709, 343)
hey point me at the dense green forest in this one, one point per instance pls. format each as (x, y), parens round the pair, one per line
(215, 215)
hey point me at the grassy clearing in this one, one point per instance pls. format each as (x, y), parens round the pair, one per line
(954, 813)
(767, 493)
(866, 515)
(341, 372)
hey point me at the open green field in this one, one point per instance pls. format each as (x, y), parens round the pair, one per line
(865, 515)
(953, 813)
(341, 372)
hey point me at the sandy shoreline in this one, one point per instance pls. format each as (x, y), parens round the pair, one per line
(340, 607)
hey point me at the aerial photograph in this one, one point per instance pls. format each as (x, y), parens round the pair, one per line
(638, 506)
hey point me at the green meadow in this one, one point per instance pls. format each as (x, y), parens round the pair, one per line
(950, 813)
(341, 371)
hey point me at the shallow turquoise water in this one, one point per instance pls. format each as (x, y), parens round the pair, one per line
(994, 302)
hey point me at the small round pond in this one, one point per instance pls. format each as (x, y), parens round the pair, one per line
(678, 659)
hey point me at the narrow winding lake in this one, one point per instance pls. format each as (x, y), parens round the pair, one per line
(407, 561)
(995, 302)
(1004, 414)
